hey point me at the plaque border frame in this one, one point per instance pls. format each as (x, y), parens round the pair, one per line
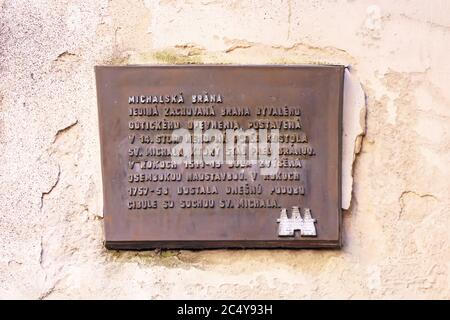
(308, 243)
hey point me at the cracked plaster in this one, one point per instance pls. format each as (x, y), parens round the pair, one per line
(396, 228)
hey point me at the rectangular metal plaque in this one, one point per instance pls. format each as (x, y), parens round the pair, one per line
(211, 156)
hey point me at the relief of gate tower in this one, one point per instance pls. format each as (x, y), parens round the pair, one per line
(288, 226)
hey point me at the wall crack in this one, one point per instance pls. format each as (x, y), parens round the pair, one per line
(60, 132)
(401, 199)
(52, 187)
(66, 56)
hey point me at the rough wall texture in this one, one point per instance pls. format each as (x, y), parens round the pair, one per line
(397, 230)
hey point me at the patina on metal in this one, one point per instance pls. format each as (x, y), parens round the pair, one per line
(152, 202)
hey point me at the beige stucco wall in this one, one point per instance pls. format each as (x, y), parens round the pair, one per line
(396, 232)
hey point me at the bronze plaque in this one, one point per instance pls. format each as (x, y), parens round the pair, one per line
(210, 156)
